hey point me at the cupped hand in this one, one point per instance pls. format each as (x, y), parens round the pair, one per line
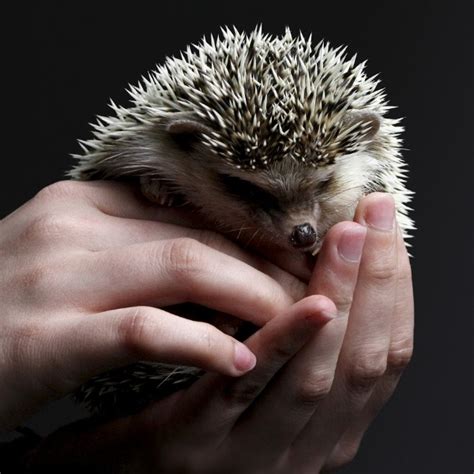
(325, 367)
(84, 268)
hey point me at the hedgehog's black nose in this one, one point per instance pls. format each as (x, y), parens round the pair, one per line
(303, 235)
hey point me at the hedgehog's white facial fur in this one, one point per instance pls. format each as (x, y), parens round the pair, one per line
(259, 132)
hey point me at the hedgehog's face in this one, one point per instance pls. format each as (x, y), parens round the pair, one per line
(291, 204)
(280, 204)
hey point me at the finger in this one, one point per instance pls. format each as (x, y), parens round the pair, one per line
(176, 271)
(399, 355)
(87, 345)
(294, 262)
(363, 355)
(119, 232)
(271, 424)
(125, 201)
(216, 403)
(375, 295)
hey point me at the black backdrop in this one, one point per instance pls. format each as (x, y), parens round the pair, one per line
(65, 62)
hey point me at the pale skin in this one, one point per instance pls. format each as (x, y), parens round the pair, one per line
(85, 269)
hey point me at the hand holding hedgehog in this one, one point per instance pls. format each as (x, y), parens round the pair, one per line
(83, 268)
(282, 417)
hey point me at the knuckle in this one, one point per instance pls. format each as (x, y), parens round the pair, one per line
(37, 280)
(343, 303)
(365, 369)
(132, 330)
(47, 227)
(399, 357)
(182, 256)
(283, 352)
(346, 453)
(382, 270)
(242, 393)
(23, 341)
(314, 389)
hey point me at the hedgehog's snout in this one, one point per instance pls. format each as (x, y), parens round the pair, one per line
(303, 235)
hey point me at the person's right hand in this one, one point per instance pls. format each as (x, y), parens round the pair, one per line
(84, 268)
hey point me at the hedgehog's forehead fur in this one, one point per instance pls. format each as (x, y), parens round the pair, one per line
(265, 98)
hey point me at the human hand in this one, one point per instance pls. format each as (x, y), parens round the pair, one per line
(318, 383)
(377, 344)
(84, 267)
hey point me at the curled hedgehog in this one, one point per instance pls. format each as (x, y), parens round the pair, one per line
(268, 133)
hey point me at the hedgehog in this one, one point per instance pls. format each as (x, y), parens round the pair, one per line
(255, 131)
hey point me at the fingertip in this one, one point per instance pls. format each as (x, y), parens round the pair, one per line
(376, 210)
(244, 358)
(317, 309)
(377, 196)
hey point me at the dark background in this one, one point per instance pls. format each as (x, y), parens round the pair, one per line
(64, 63)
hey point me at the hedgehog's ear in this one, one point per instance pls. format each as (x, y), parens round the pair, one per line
(371, 122)
(181, 124)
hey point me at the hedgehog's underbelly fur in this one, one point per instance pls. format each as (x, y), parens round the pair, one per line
(128, 389)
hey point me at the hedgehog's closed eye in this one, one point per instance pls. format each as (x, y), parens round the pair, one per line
(323, 185)
(249, 192)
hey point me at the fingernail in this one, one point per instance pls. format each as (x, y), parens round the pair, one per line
(351, 244)
(329, 315)
(244, 359)
(381, 214)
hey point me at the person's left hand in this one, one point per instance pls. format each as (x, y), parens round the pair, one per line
(307, 404)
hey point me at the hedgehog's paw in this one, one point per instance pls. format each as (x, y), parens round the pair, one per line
(154, 190)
